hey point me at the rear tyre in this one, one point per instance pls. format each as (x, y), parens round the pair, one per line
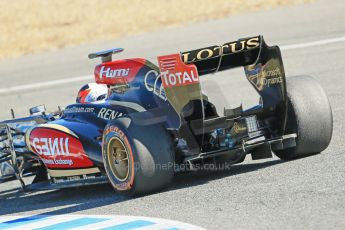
(137, 159)
(309, 116)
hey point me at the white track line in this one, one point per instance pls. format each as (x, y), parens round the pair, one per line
(44, 84)
(89, 77)
(314, 43)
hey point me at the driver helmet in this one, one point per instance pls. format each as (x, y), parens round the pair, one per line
(92, 92)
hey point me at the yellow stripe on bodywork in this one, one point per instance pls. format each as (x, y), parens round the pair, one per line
(59, 127)
(72, 172)
(27, 138)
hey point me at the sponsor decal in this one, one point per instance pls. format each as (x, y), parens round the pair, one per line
(215, 51)
(118, 71)
(272, 81)
(116, 130)
(51, 146)
(57, 149)
(157, 87)
(109, 114)
(73, 178)
(179, 78)
(175, 73)
(58, 162)
(111, 73)
(261, 77)
(239, 128)
(76, 109)
(272, 73)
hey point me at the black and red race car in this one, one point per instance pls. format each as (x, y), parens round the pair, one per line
(157, 120)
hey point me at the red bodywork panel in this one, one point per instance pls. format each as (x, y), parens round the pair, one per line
(175, 72)
(58, 149)
(118, 71)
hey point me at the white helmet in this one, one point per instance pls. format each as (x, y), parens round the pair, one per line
(92, 92)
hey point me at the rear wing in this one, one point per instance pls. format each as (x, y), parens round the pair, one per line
(262, 64)
(263, 67)
(243, 52)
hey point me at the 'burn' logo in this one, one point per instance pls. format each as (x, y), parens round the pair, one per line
(51, 146)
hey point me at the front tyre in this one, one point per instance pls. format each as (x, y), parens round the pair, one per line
(309, 116)
(137, 159)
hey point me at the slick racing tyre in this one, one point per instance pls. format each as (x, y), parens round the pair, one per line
(137, 159)
(309, 116)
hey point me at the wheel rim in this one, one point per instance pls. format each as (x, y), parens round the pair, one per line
(118, 158)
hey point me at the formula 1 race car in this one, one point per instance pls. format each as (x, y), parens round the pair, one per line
(157, 120)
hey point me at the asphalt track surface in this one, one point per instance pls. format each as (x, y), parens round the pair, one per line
(308, 193)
